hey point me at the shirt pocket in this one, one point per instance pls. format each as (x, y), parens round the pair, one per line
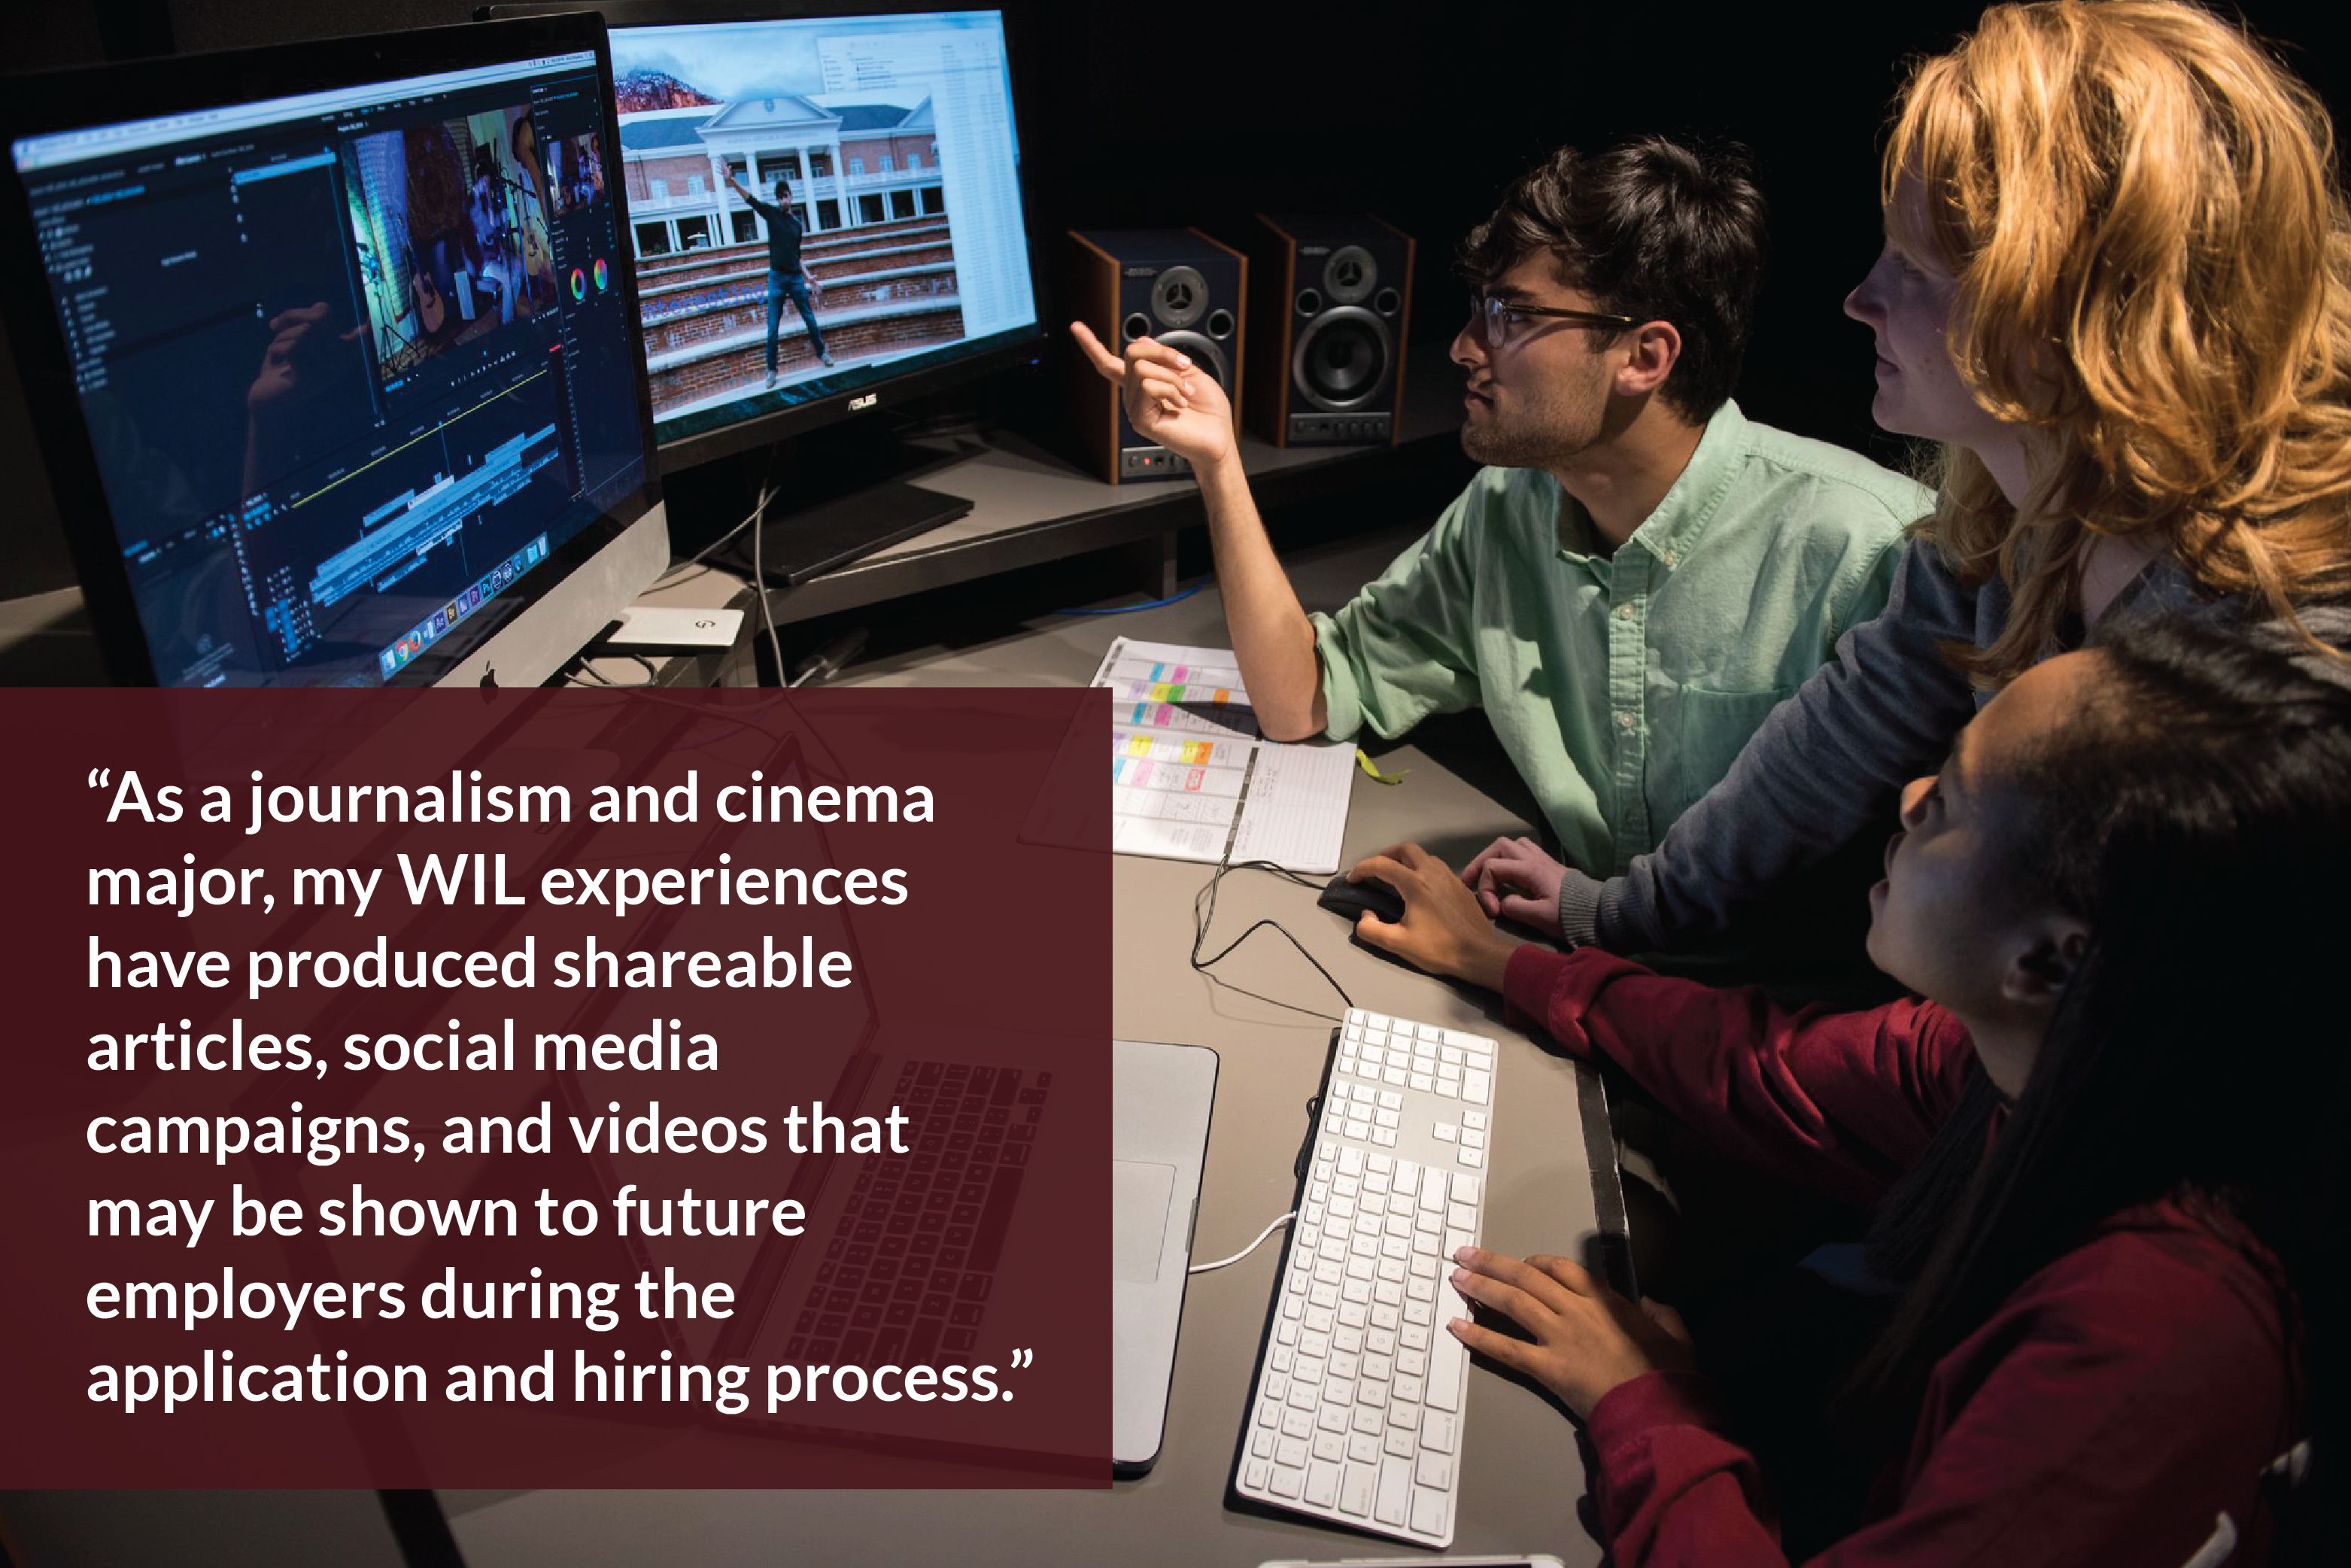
(1709, 730)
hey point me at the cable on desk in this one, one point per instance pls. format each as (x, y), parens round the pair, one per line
(1178, 598)
(1229, 1263)
(1201, 921)
(598, 678)
(766, 493)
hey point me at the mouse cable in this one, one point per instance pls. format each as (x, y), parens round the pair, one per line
(1202, 919)
(1229, 1263)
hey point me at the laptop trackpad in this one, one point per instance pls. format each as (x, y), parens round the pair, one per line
(1138, 1226)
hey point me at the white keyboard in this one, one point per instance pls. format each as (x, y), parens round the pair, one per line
(1355, 1416)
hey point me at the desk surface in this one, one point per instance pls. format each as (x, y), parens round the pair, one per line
(1523, 1478)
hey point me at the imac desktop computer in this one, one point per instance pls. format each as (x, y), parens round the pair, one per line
(332, 350)
(823, 202)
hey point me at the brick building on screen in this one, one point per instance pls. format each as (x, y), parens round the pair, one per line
(867, 188)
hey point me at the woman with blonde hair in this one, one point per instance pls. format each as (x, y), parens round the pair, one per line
(2116, 288)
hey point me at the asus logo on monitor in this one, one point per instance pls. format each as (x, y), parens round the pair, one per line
(868, 401)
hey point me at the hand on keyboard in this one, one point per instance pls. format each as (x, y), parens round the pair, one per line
(1587, 1338)
(1443, 930)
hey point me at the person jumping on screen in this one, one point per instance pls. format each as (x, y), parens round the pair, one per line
(786, 276)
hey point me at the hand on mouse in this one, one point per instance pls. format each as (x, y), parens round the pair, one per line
(1442, 930)
(1514, 879)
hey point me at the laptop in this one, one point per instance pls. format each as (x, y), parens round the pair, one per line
(1160, 1099)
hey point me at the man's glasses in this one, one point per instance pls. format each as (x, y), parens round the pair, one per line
(1499, 318)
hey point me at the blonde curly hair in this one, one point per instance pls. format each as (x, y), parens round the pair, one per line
(2142, 210)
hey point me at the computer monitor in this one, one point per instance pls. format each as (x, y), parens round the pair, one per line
(903, 253)
(335, 385)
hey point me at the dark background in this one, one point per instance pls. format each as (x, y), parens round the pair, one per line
(1204, 111)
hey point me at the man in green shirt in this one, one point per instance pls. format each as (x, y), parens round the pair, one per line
(1641, 572)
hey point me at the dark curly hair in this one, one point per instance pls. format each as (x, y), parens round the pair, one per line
(1650, 227)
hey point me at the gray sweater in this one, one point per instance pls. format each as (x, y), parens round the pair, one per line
(1829, 762)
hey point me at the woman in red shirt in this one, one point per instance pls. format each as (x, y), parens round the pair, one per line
(2091, 1154)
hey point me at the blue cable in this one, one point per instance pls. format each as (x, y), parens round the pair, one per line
(1131, 609)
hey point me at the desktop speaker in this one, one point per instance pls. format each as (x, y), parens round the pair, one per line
(1177, 286)
(1335, 302)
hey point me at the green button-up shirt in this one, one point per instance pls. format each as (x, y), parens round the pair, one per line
(1623, 684)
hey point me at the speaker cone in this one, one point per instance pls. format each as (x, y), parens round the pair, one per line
(1343, 358)
(1179, 296)
(1350, 274)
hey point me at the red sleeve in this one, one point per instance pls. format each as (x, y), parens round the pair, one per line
(2120, 1408)
(1840, 1102)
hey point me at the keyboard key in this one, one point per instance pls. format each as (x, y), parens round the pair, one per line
(1447, 1132)
(1429, 1509)
(1289, 1451)
(1333, 1446)
(1448, 1359)
(1322, 1484)
(1473, 1156)
(1474, 1119)
(1364, 1449)
(1435, 1468)
(1394, 1495)
(1256, 1474)
(1355, 1491)
(1436, 1431)
(1287, 1482)
(1477, 1086)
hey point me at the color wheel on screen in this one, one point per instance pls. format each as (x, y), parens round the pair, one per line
(603, 275)
(578, 284)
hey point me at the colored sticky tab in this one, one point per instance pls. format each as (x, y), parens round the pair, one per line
(1363, 761)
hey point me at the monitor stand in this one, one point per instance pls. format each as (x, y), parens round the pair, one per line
(798, 544)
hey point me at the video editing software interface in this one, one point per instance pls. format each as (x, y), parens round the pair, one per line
(903, 244)
(354, 363)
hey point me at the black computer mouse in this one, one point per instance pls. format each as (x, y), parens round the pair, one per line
(1350, 899)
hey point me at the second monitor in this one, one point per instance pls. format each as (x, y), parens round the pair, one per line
(825, 213)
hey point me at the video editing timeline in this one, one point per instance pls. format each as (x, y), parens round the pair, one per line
(339, 399)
